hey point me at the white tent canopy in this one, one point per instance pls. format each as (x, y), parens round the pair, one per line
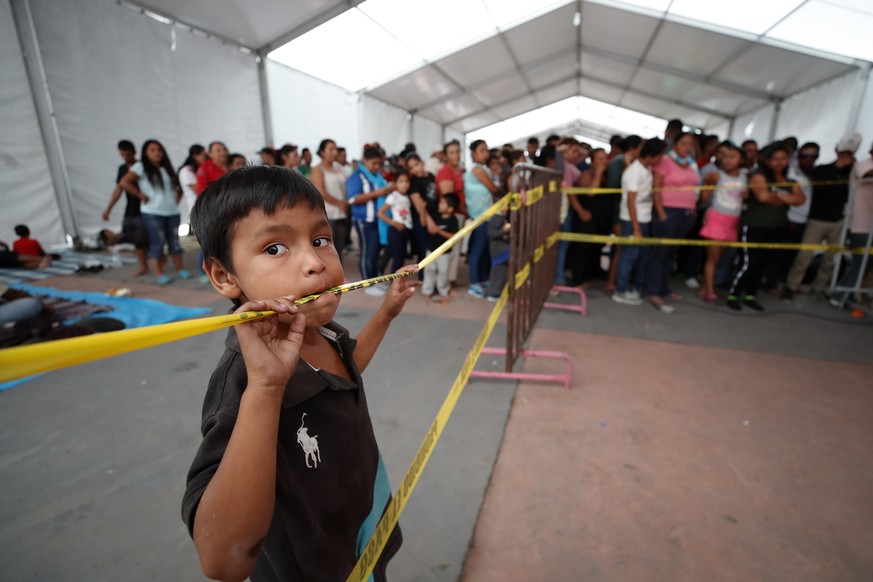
(79, 75)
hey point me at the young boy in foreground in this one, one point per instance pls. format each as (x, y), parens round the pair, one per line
(288, 483)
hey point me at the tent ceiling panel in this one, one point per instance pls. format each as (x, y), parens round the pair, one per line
(253, 23)
(453, 109)
(599, 91)
(543, 36)
(693, 49)
(503, 90)
(480, 61)
(709, 97)
(616, 30)
(556, 92)
(554, 70)
(668, 86)
(413, 90)
(779, 71)
(476, 121)
(517, 107)
(666, 110)
(602, 68)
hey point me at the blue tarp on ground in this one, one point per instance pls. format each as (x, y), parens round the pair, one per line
(132, 311)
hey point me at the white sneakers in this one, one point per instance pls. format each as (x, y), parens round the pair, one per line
(692, 283)
(627, 298)
(375, 290)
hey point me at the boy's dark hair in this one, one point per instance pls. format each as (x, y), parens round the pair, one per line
(22, 230)
(675, 125)
(234, 156)
(616, 141)
(232, 197)
(372, 151)
(809, 144)
(412, 156)
(547, 153)
(533, 140)
(475, 144)
(631, 142)
(748, 141)
(452, 200)
(126, 145)
(653, 147)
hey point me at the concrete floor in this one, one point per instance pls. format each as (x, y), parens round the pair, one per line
(696, 444)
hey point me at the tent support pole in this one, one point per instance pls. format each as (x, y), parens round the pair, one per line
(45, 114)
(860, 93)
(410, 118)
(774, 123)
(263, 88)
(731, 126)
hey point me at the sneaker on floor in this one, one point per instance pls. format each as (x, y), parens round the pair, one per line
(375, 291)
(835, 303)
(476, 290)
(634, 294)
(493, 299)
(750, 302)
(733, 302)
(626, 298)
(662, 307)
(164, 280)
(203, 279)
(183, 274)
(692, 283)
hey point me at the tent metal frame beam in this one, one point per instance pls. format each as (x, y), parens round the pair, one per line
(331, 12)
(45, 115)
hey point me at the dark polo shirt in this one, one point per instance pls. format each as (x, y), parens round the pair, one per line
(331, 485)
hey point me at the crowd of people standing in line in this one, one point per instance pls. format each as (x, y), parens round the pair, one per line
(402, 206)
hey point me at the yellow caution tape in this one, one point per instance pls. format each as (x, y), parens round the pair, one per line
(19, 362)
(538, 254)
(364, 567)
(534, 195)
(522, 275)
(631, 240)
(592, 191)
(552, 239)
(553, 185)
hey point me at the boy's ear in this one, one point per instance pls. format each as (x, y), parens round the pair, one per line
(222, 279)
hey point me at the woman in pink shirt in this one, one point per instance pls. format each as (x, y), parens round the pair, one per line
(674, 189)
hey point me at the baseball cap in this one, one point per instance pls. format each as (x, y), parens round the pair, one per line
(849, 143)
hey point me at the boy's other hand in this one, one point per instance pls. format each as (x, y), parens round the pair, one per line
(270, 348)
(401, 290)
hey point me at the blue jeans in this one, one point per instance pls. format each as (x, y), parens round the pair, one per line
(850, 276)
(678, 224)
(368, 238)
(563, 247)
(478, 255)
(398, 240)
(162, 229)
(633, 259)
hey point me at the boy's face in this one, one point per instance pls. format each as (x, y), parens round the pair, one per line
(129, 156)
(443, 207)
(288, 253)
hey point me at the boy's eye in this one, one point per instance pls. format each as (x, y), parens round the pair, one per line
(276, 249)
(321, 241)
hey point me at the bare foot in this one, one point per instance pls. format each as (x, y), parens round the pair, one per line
(140, 272)
(675, 296)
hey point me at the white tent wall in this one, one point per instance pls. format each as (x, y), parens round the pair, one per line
(721, 130)
(306, 110)
(26, 190)
(386, 124)
(753, 125)
(113, 73)
(820, 114)
(452, 133)
(427, 135)
(865, 120)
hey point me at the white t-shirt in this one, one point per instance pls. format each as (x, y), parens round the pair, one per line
(798, 214)
(637, 178)
(189, 196)
(401, 208)
(162, 199)
(335, 185)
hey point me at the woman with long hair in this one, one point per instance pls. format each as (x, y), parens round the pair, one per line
(331, 182)
(479, 190)
(154, 182)
(765, 221)
(188, 179)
